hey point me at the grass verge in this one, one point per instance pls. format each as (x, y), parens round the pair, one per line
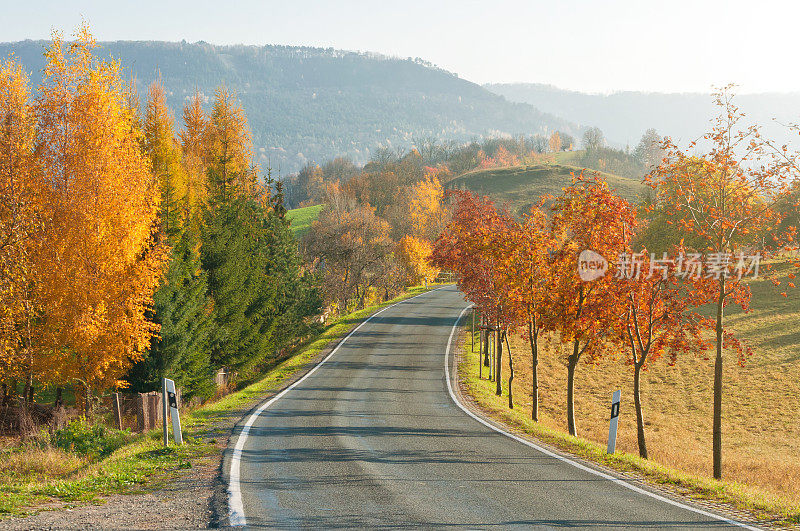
(767, 507)
(33, 477)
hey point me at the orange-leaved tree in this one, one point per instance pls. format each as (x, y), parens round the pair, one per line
(658, 317)
(528, 277)
(722, 203)
(471, 247)
(587, 217)
(102, 263)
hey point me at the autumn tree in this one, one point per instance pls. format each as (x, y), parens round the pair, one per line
(21, 223)
(723, 202)
(528, 275)
(352, 248)
(658, 318)
(165, 160)
(193, 140)
(470, 246)
(414, 255)
(230, 143)
(555, 142)
(181, 305)
(589, 217)
(103, 263)
(427, 210)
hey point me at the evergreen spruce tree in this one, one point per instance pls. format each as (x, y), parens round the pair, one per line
(182, 308)
(181, 304)
(297, 297)
(235, 253)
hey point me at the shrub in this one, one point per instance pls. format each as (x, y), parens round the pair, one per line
(92, 441)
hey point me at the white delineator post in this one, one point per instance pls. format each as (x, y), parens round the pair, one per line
(612, 427)
(171, 405)
(164, 410)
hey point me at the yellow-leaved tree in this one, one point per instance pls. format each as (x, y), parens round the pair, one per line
(426, 208)
(414, 254)
(21, 220)
(193, 143)
(229, 144)
(101, 260)
(165, 158)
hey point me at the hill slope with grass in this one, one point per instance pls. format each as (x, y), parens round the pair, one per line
(302, 218)
(519, 187)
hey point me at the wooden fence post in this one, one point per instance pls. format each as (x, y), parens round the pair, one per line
(117, 412)
(142, 411)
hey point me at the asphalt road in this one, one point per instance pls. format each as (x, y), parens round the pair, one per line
(373, 439)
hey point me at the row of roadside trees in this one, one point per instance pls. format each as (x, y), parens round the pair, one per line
(129, 252)
(674, 262)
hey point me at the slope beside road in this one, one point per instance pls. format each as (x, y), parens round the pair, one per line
(372, 437)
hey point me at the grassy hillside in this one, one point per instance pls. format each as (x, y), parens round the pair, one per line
(518, 187)
(302, 218)
(761, 400)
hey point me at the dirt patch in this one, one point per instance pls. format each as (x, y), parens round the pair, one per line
(182, 502)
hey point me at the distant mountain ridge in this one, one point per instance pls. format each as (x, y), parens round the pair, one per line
(624, 116)
(311, 104)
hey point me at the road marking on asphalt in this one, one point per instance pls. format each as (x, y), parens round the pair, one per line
(235, 505)
(618, 481)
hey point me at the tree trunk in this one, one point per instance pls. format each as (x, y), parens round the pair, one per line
(486, 359)
(717, 444)
(534, 340)
(498, 376)
(510, 373)
(572, 363)
(26, 391)
(637, 369)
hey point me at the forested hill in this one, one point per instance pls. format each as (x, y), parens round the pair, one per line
(312, 104)
(624, 116)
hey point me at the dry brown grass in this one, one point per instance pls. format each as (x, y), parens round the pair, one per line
(761, 401)
(37, 464)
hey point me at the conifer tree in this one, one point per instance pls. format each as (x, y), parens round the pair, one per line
(297, 297)
(181, 304)
(183, 310)
(234, 255)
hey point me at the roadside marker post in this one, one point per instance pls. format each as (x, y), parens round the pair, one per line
(612, 427)
(170, 402)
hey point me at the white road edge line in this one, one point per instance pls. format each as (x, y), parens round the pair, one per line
(235, 505)
(561, 457)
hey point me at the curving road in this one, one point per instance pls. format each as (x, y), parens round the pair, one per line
(372, 438)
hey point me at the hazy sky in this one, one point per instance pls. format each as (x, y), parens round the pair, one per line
(597, 46)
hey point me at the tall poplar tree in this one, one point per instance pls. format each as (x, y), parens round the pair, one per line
(103, 262)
